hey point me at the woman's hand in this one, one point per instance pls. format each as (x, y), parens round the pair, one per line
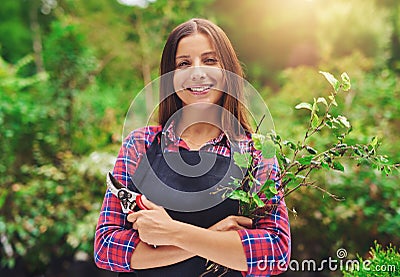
(154, 225)
(232, 223)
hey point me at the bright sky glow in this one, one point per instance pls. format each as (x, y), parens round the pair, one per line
(139, 3)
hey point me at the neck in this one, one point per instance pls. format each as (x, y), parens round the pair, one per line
(199, 125)
(199, 131)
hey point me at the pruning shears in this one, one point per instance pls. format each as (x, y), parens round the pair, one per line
(130, 201)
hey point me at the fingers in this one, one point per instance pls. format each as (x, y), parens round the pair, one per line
(244, 221)
(232, 223)
(237, 223)
(151, 215)
(133, 216)
(149, 205)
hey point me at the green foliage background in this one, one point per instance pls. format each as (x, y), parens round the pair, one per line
(69, 70)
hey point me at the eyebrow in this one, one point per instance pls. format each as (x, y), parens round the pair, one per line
(183, 57)
(203, 54)
(209, 53)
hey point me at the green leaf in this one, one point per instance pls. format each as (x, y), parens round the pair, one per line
(329, 123)
(325, 165)
(281, 159)
(235, 182)
(322, 100)
(258, 201)
(314, 121)
(291, 145)
(290, 175)
(343, 120)
(269, 194)
(266, 185)
(383, 159)
(290, 182)
(240, 195)
(315, 106)
(338, 166)
(315, 163)
(357, 152)
(346, 85)
(327, 157)
(286, 161)
(258, 140)
(345, 77)
(335, 153)
(332, 80)
(269, 189)
(374, 142)
(242, 160)
(273, 189)
(268, 149)
(311, 150)
(306, 160)
(264, 144)
(387, 170)
(333, 101)
(258, 183)
(304, 105)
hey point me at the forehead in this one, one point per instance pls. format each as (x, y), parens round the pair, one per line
(196, 43)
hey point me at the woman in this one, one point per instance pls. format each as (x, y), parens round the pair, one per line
(201, 111)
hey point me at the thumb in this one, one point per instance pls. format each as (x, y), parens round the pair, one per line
(148, 204)
(244, 221)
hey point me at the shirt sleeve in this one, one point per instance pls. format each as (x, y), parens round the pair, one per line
(268, 245)
(115, 240)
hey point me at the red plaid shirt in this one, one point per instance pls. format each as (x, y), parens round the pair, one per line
(267, 247)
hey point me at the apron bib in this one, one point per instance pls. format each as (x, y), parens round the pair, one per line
(159, 163)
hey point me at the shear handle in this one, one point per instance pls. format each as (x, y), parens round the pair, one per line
(139, 202)
(119, 186)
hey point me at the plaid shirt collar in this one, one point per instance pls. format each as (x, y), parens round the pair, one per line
(171, 137)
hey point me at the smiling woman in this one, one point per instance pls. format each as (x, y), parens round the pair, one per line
(198, 77)
(202, 119)
(216, 55)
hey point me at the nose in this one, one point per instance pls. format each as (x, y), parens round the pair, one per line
(197, 73)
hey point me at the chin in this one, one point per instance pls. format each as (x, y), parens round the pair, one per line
(201, 105)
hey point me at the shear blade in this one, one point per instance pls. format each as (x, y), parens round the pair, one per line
(115, 182)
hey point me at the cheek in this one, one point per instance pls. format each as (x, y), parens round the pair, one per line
(220, 79)
(179, 79)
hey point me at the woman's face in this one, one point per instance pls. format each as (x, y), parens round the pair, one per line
(198, 77)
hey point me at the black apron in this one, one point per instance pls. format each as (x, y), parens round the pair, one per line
(205, 218)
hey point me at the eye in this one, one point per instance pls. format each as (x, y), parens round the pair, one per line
(182, 64)
(210, 61)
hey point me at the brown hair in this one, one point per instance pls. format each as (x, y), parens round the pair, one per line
(233, 102)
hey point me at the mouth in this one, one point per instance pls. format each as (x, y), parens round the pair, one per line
(200, 89)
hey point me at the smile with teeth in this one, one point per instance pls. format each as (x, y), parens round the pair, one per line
(200, 89)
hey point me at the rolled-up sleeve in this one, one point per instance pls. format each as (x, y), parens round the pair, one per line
(268, 245)
(115, 240)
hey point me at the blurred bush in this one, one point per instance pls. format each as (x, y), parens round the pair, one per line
(370, 210)
(59, 128)
(383, 262)
(51, 183)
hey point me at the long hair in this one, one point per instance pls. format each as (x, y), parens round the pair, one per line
(233, 98)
